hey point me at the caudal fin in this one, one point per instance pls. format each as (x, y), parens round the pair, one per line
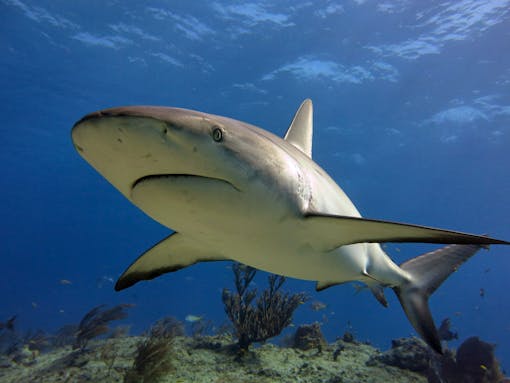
(427, 272)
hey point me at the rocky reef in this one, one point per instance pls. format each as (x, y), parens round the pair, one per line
(473, 362)
(94, 351)
(166, 354)
(207, 359)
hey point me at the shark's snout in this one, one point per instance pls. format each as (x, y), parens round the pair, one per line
(125, 148)
(127, 144)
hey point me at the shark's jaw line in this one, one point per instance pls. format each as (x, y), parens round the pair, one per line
(153, 177)
(232, 191)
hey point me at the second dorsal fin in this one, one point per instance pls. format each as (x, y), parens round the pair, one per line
(300, 130)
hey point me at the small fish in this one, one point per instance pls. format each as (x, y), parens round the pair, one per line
(34, 305)
(482, 292)
(445, 332)
(101, 281)
(318, 305)
(65, 282)
(483, 367)
(192, 318)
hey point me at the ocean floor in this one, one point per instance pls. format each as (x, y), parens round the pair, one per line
(210, 359)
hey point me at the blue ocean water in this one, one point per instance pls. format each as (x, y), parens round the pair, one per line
(412, 119)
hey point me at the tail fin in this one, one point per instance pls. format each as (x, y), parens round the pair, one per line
(427, 272)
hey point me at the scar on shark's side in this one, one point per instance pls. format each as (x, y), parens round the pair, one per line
(232, 191)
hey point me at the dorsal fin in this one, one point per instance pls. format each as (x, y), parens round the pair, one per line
(300, 130)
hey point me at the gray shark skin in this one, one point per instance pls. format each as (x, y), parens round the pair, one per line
(233, 191)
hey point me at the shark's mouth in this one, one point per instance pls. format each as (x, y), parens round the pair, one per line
(179, 178)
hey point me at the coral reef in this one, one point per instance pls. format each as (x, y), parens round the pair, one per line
(191, 362)
(96, 321)
(407, 353)
(268, 317)
(38, 342)
(165, 354)
(202, 328)
(309, 336)
(348, 337)
(18, 348)
(66, 335)
(474, 361)
(26, 350)
(152, 360)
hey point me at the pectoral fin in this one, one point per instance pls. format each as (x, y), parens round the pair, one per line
(337, 231)
(173, 253)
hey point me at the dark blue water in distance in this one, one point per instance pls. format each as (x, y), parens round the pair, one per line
(412, 119)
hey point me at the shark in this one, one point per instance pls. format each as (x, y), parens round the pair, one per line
(229, 190)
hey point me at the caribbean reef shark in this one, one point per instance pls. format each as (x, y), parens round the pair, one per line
(233, 191)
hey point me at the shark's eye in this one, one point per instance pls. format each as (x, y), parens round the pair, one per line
(217, 134)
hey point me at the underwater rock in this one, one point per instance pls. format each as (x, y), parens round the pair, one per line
(309, 336)
(406, 353)
(190, 363)
(348, 337)
(475, 362)
(24, 356)
(475, 353)
(5, 362)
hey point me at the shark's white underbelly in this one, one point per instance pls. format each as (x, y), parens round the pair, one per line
(256, 228)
